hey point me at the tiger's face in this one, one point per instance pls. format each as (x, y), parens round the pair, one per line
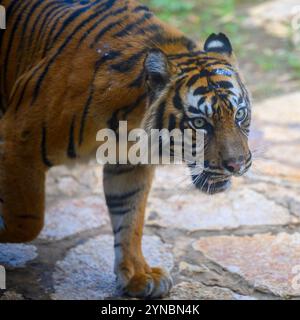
(203, 90)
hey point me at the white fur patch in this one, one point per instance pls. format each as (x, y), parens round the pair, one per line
(215, 44)
(205, 107)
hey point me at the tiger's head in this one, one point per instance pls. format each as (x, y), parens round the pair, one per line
(203, 90)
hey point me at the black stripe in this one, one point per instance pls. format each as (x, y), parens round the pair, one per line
(183, 124)
(105, 30)
(56, 17)
(118, 199)
(160, 38)
(118, 212)
(177, 101)
(172, 122)
(12, 8)
(127, 110)
(188, 62)
(85, 111)
(11, 39)
(122, 197)
(195, 110)
(130, 27)
(189, 69)
(69, 20)
(224, 84)
(120, 229)
(122, 113)
(24, 30)
(201, 101)
(107, 6)
(160, 116)
(218, 63)
(24, 86)
(201, 91)
(193, 79)
(46, 161)
(118, 169)
(130, 63)
(138, 81)
(96, 25)
(71, 147)
(140, 8)
(149, 29)
(47, 18)
(186, 55)
(9, 11)
(107, 57)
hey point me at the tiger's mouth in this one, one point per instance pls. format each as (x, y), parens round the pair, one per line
(212, 183)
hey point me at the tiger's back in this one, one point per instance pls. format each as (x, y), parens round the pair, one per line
(62, 59)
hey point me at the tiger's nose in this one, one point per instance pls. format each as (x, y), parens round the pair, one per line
(233, 165)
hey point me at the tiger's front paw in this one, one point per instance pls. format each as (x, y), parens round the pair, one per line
(153, 283)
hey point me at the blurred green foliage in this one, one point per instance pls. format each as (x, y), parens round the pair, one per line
(199, 18)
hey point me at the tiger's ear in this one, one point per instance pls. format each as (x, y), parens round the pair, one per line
(157, 69)
(218, 43)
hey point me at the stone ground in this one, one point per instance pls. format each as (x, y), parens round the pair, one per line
(241, 244)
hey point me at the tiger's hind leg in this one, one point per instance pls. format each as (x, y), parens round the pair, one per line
(22, 179)
(126, 191)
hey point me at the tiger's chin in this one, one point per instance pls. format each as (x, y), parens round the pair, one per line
(212, 184)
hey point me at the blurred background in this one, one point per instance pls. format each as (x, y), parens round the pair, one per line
(240, 244)
(265, 36)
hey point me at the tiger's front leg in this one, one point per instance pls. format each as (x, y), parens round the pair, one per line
(126, 191)
(22, 190)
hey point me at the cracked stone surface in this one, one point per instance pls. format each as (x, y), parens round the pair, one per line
(192, 291)
(16, 255)
(85, 213)
(268, 262)
(90, 268)
(242, 244)
(232, 209)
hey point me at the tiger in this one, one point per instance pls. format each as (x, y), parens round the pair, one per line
(69, 68)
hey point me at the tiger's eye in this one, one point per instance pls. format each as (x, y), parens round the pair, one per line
(199, 123)
(241, 114)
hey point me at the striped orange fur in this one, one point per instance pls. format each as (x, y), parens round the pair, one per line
(69, 68)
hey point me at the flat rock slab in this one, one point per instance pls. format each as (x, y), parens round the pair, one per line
(87, 270)
(197, 291)
(270, 263)
(16, 255)
(77, 180)
(69, 217)
(196, 211)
